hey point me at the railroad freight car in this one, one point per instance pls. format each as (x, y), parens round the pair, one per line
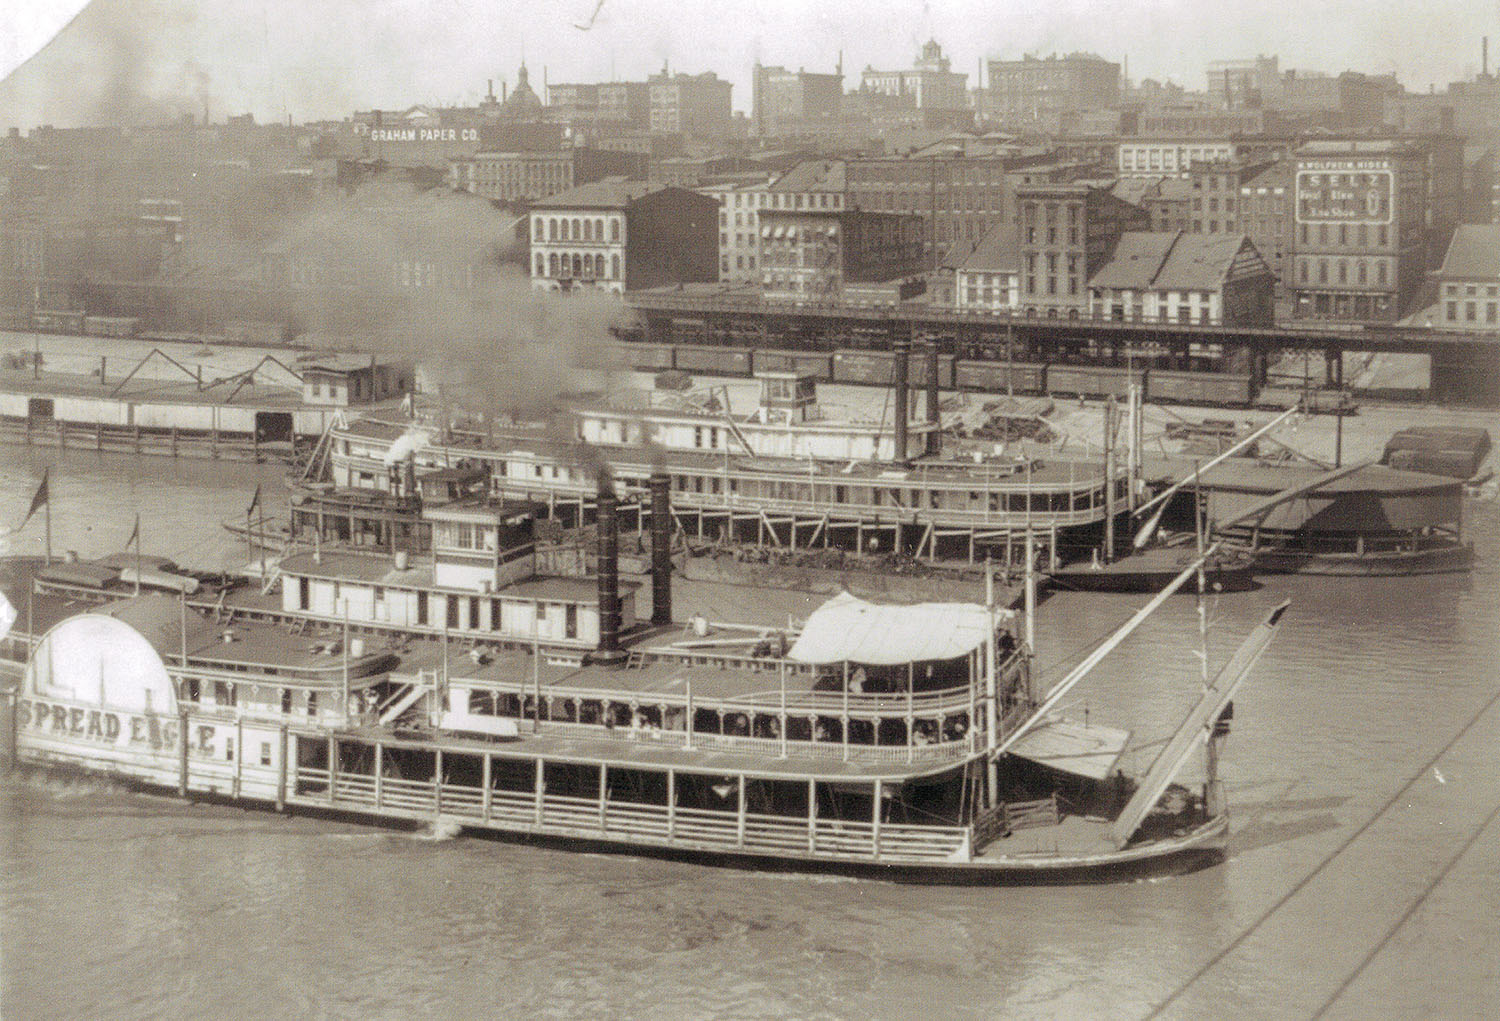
(878, 368)
(57, 322)
(638, 355)
(713, 359)
(1093, 380)
(818, 364)
(1201, 387)
(111, 326)
(1000, 377)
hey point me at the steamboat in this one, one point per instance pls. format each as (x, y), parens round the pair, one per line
(786, 475)
(906, 742)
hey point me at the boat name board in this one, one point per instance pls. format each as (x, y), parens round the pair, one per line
(107, 727)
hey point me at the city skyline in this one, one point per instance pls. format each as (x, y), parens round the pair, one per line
(277, 59)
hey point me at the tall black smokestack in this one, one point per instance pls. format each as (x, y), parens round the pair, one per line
(934, 416)
(902, 347)
(661, 548)
(609, 575)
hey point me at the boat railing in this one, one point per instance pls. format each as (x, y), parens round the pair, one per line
(772, 747)
(728, 829)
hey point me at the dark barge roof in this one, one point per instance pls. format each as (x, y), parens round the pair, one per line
(1376, 479)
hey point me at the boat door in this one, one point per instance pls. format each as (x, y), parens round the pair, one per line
(273, 427)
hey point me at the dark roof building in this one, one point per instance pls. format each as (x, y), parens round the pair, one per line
(1217, 279)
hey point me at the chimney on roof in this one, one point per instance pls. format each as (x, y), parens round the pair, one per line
(608, 571)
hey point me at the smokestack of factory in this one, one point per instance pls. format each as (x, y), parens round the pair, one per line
(661, 548)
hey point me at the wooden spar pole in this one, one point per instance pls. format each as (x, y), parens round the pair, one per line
(536, 669)
(47, 518)
(1223, 455)
(1104, 649)
(783, 708)
(1030, 595)
(1109, 482)
(346, 661)
(991, 709)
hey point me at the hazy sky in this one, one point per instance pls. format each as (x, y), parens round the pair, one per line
(322, 58)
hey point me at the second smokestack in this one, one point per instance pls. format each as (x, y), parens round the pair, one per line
(902, 349)
(661, 548)
(934, 412)
(609, 575)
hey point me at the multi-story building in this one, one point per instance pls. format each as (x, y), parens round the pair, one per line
(1244, 84)
(1169, 157)
(739, 229)
(989, 279)
(1033, 90)
(1066, 232)
(783, 101)
(618, 235)
(930, 84)
(625, 103)
(1215, 187)
(527, 176)
(1265, 213)
(1360, 213)
(1184, 278)
(690, 104)
(960, 197)
(814, 255)
(1469, 279)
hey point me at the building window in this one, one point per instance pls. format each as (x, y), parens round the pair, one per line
(541, 264)
(614, 267)
(552, 264)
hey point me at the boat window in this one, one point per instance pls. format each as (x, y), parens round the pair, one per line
(223, 693)
(286, 700)
(312, 703)
(265, 753)
(474, 612)
(497, 620)
(452, 602)
(422, 608)
(193, 694)
(229, 748)
(571, 621)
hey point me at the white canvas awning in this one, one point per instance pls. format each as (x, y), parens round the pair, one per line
(847, 628)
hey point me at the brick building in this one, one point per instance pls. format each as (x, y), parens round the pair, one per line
(813, 255)
(782, 101)
(527, 176)
(1065, 233)
(1360, 211)
(690, 104)
(1034, 90)
(618, 235)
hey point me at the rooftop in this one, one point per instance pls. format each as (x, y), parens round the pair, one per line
(1474, 252)
(609, 193)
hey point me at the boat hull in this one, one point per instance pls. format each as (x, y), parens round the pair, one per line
(1441, 560)
(1199, 847)
(1148, 573)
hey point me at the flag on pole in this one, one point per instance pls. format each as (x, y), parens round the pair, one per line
(254, 502)
(37, 502)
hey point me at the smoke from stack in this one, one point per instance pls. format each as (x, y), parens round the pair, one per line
(406, 445)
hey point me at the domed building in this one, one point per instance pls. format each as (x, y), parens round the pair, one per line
(522, 104)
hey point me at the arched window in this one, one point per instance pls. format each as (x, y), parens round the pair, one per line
(541, 265)
(614, 264)
(552, 265)
(599, 266)
(567, 234)
(577, 231)
(552, 230)
(538, 232)
(1363, 270)
(599, 230)
(588, 230)
(614, 230)
(577, 267)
